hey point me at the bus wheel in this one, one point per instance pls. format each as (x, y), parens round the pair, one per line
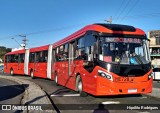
(79, 86)
(32, 75)
(11, 72)
(56, 79)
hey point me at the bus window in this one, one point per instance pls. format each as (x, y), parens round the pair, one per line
(89, 45)
(32, 57)
(66, 51)
(42, 56)
(38, 56)
(45, 56)
(72, 50)
(57, 54)
(14, 58)
(123, 51)
(6, 58)
(21, 58)
(9, 58)
(80, 51)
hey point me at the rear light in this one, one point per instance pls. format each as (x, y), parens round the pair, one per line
(105, 75)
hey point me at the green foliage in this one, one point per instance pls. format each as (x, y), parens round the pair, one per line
(3, 51)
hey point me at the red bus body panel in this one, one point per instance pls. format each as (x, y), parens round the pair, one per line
(39, 68)
(18, 68)
(96, 85)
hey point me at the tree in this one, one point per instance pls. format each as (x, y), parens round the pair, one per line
(3, 51)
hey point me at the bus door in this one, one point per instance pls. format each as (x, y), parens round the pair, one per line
(35, 64)
(65, 63)
(21, 63)
(62, 65)
(71, 64)
(41, 64)
(15, 63)
(53, 64)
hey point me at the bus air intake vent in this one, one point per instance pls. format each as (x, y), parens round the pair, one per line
(117, 27)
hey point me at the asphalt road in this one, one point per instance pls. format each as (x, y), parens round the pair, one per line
(66, 100)
(10, 93)
(156, 84)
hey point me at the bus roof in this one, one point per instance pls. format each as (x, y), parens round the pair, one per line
(16, 52)
(41, 48)
(102, 28)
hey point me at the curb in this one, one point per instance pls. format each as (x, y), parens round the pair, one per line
(33, 95)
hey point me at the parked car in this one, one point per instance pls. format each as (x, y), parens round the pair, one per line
(1, 67)
(156, 74)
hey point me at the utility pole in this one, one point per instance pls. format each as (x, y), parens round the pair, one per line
(110, 20)
(24, 41)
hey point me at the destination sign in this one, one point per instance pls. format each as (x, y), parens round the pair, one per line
(125, 40)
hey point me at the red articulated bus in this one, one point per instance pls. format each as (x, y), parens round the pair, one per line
(35, 62)
(14, 62)
(101, 59)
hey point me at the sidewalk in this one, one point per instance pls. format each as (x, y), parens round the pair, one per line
(34, 96)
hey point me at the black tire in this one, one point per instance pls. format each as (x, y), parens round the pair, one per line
(31, 74)
(79, 86)
(11, 72)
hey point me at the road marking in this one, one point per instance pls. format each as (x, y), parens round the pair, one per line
(111, 102)
(65, 95)
(143, 97)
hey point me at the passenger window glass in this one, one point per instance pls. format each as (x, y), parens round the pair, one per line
(32, 57)
(21, 58)
(42, 56)
(89, 47)
(80, 50)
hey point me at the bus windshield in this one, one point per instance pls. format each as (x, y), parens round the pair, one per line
(130, 51)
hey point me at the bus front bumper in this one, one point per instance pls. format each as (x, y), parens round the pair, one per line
(118, 88)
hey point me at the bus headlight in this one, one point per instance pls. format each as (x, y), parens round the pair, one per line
(105, 75)
(150, 75)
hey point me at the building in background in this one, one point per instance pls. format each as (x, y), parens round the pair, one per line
(154, 46)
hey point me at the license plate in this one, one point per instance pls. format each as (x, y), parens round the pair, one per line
(132, 90)
(125, 79)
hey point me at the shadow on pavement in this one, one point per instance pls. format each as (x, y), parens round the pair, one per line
(101, 109)
(10, 91)
(118, 96)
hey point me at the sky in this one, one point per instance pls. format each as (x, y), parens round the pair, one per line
(47, 21)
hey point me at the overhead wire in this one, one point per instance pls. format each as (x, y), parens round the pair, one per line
(119, 8)
(133, 6)
(124, 8)
(151, 15)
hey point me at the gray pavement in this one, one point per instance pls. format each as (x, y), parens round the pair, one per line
(10, 93)
(34, 96)
(156, 90)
